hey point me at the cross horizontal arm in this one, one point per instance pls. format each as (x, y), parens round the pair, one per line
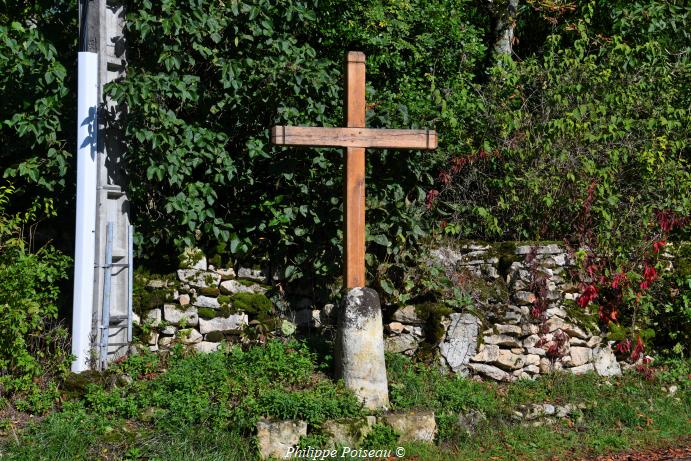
(353, 137)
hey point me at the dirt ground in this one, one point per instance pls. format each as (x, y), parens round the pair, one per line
(681, 452)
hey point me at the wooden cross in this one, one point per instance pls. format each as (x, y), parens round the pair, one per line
(354, 138)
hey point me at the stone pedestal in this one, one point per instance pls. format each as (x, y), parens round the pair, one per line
(360, 347)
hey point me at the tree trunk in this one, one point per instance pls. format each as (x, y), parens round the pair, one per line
(506, 21)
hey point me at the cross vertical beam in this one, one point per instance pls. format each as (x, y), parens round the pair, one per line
(354, 138)
(354, 171)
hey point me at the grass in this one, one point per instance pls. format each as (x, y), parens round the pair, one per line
(204, 407)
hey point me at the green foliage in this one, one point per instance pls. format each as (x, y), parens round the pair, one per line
(315, 405)
(597, 121)
(586, 140)
(205, 406)
(223, 389)
(37, 107)
(206, 82)
(597, 99)
(138, 365)
(34, 84)
(190, 257)
(31, 345)
(419, 386)
(674, 371)
(412, 278)
(381, 437)
(670, 314)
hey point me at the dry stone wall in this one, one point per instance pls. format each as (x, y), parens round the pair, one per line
(506, 336)
(502, 337)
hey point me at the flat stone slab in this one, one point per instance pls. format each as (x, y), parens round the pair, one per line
(490, 371)
(405, 342)
(579, 356)
(153, 317)
(174, 314)
(502, 358)
(605, 362)
(460, 342)
(555, 323)
(252, 274)
(275, 438)
(206, 347)
(348, 432)
(419, 426)
(550, 249)
(230, 287)
(198, 278)
(407, 315)
(226, 274)
(207, 301)
(503, 340)
(233, 324)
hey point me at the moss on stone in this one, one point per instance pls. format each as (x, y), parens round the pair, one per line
(145, 297)
(226, 310)
(215, 336)
(206, 313)
(484, 291)
(433, 315)
(210, 291)
(76, 384)
(255, 304)
(223, 300)
(145, 300)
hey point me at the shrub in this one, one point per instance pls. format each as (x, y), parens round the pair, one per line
(232, 388)
(38, 108)
(381, 437)
(670, 313)
(586, 140)
(197, 132)
(601, 122)
(31, 346)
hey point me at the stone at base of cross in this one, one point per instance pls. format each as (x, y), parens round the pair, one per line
(359, 351)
